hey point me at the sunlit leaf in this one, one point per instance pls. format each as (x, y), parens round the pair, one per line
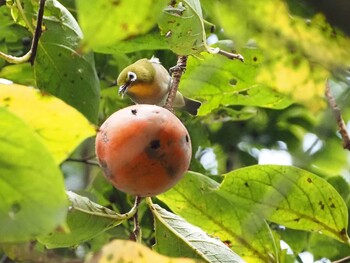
(60, 69)
(175, 237)
(18, 73)
(32, 196)
(218, 81)
(182, 25)
(106, 22)
(60, 126)
(85, 220)
(197, 199)
(291, 197)
(128, 251)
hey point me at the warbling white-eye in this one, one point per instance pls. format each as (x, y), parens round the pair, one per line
(148, 82)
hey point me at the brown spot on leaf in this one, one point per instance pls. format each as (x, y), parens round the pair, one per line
(343, 232)
(309, 180)
(321, 204)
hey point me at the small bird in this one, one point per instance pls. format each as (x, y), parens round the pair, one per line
(148, 82)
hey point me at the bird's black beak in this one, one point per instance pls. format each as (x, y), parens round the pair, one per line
(124, 88)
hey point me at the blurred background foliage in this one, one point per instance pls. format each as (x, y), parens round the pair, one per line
(270, 109)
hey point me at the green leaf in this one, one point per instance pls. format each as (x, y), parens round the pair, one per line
(197, 199)
(218, 81)
(85, 220)
(18, 73)
(150, 41)
(291, 197)
(175, 237)
(106, 22)
(33, 201)
(183, 26)
(60, 126)
(60, 69)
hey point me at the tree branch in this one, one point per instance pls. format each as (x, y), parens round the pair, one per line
(337, 113)
(38, 31)
(176, 73)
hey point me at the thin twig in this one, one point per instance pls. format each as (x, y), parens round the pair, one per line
(342, 260)
(136, 234)
(231, 55)
(337, 113)
(86, 161)
(176, 72)
(38, 31)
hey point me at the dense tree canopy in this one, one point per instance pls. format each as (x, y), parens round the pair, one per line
(269, 175)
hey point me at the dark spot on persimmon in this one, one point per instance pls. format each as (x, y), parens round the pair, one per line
(155, 144)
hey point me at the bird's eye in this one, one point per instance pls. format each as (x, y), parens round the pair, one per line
(131, 76)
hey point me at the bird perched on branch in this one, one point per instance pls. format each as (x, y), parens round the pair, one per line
(148, 82)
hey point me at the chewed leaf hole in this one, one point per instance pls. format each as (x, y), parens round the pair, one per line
(233, 82)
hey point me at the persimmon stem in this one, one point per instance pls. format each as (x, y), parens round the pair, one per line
(137, 233)
(176, 73)
(337, 113)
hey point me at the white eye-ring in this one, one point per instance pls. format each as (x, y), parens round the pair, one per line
(132, 76)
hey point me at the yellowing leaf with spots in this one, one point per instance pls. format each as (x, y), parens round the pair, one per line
(60, 126)
(128, 251)
(300, 49)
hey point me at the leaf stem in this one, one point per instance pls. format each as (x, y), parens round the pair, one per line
(337, 113)
(342, 260)
(116, 216)
(20, 9)
(230, 55)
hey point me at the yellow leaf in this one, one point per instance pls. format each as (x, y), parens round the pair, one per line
(60, 126)
(128, 251)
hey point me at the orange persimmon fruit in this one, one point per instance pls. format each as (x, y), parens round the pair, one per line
(143, 150)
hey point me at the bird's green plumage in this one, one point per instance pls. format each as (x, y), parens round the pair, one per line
(143, 69)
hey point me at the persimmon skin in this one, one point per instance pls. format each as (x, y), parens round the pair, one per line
(144, 150)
